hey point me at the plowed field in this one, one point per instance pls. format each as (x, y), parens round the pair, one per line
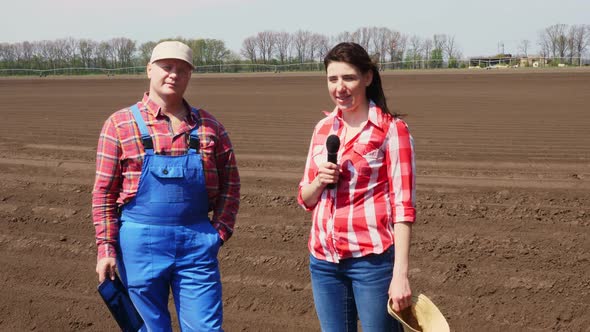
(501, 244)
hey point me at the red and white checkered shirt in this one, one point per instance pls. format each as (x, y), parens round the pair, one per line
(119, 160)
(376, 187)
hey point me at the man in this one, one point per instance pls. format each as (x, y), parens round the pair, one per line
(161, 167)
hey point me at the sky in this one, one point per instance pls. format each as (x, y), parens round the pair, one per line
(479, 27)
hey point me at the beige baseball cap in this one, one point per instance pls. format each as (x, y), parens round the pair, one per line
(421, 316)
(172, 50)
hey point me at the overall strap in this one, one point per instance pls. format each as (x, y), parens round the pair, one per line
(194, 142)
(146, 139)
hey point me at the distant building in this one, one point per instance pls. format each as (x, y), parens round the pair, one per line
(533, 61)
(485, 62)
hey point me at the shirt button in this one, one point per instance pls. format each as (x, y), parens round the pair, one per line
(165, 171)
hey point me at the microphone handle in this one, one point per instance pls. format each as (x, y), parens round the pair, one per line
(332, 158)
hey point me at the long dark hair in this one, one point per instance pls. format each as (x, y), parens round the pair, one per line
(356, 55)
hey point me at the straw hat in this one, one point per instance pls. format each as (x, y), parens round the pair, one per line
(421, 316)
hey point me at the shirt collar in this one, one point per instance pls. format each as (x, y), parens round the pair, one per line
(155, 110)
(375, 116)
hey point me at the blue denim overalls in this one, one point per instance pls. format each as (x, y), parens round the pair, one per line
(167, 241)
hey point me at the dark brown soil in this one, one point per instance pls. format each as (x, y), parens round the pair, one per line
(503, 161)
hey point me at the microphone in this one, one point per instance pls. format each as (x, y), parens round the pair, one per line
(332, 145)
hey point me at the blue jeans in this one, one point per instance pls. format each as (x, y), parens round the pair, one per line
(354, 287)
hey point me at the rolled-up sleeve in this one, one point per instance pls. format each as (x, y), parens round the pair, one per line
(309, 174)
(402, 172)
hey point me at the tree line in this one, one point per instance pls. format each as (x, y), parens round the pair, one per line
(278, 48)
(266, 47)
(563, 41)
(113, 53)
(384, 44)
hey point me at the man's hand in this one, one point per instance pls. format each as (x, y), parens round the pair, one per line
(106, 268)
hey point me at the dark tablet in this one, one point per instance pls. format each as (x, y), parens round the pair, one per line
(117, 300)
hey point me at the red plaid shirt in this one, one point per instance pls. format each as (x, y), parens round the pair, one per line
(119, 160)
(376, 187)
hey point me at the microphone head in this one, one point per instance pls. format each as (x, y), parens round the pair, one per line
(333, 144)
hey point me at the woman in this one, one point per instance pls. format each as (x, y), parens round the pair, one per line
(352, 236)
